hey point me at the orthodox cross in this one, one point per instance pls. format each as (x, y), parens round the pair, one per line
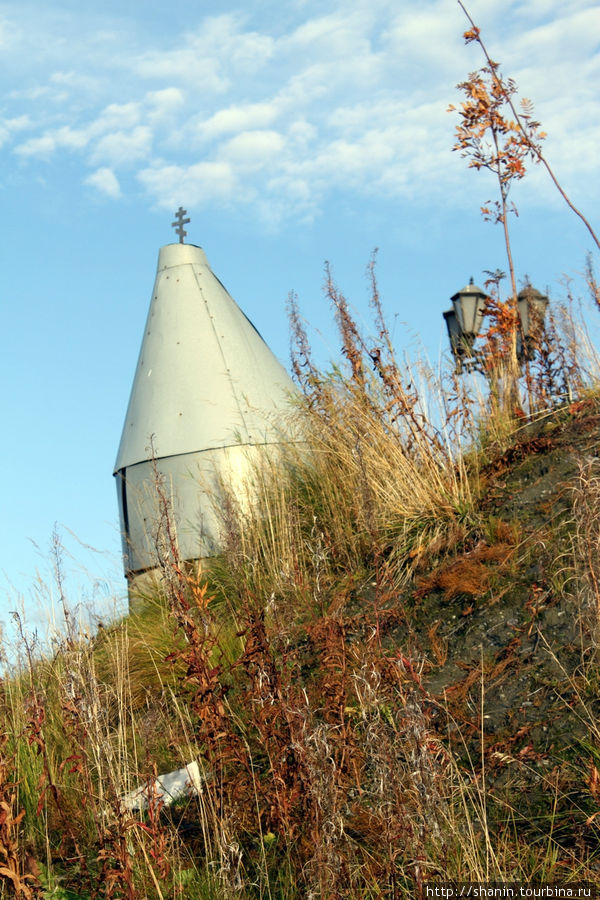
(179, 223)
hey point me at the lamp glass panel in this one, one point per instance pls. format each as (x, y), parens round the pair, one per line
(532, 311)
(537, 310)
(454, 329)
(523, 305)
(469, 308)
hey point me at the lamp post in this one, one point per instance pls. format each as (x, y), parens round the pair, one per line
(532, 310)
(464, 322)
(465, 319)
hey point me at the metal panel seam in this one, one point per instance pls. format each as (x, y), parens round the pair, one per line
(144, 462)
(216, 334)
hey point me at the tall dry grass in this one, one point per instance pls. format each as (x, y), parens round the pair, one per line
(376, 472)
(280, 670)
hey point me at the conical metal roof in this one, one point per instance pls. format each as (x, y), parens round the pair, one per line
(205, 378)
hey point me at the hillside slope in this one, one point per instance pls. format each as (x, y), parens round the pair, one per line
(508, 625)
(377, 700)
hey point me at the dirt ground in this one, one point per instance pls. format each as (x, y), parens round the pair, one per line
(500, 631)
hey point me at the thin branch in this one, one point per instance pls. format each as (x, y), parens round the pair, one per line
(532, 146)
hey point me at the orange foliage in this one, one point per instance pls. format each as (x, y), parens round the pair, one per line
(468, 574)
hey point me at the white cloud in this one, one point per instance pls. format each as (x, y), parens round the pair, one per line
(199, 184)
(237, 118)
(253, 149)
(9, 127)
(105, 181)
(19, 123)
(64, 77)
(209, 58)
(75, 81)
(11, 32)
(30, 94)
(61, 138)
(164, 104)
(117, 116)
(334, 34)
(185, 66)
(40, 146)
(71, 138)
(328, 97)
(302, 132)
(250, 52)
(196, 61)
(123, 147)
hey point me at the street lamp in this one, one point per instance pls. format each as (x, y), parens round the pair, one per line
(465, 319)
(464, 324)
(532, 310)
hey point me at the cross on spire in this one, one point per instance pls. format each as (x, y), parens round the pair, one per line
(180, 222)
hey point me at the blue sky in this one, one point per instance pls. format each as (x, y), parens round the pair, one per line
(294, 132)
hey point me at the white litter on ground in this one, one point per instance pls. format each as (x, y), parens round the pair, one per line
(185, 782)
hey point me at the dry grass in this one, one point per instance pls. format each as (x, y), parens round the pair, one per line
(326, 773)
(586, 509)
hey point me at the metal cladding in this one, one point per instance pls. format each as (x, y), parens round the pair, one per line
(207, 396)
